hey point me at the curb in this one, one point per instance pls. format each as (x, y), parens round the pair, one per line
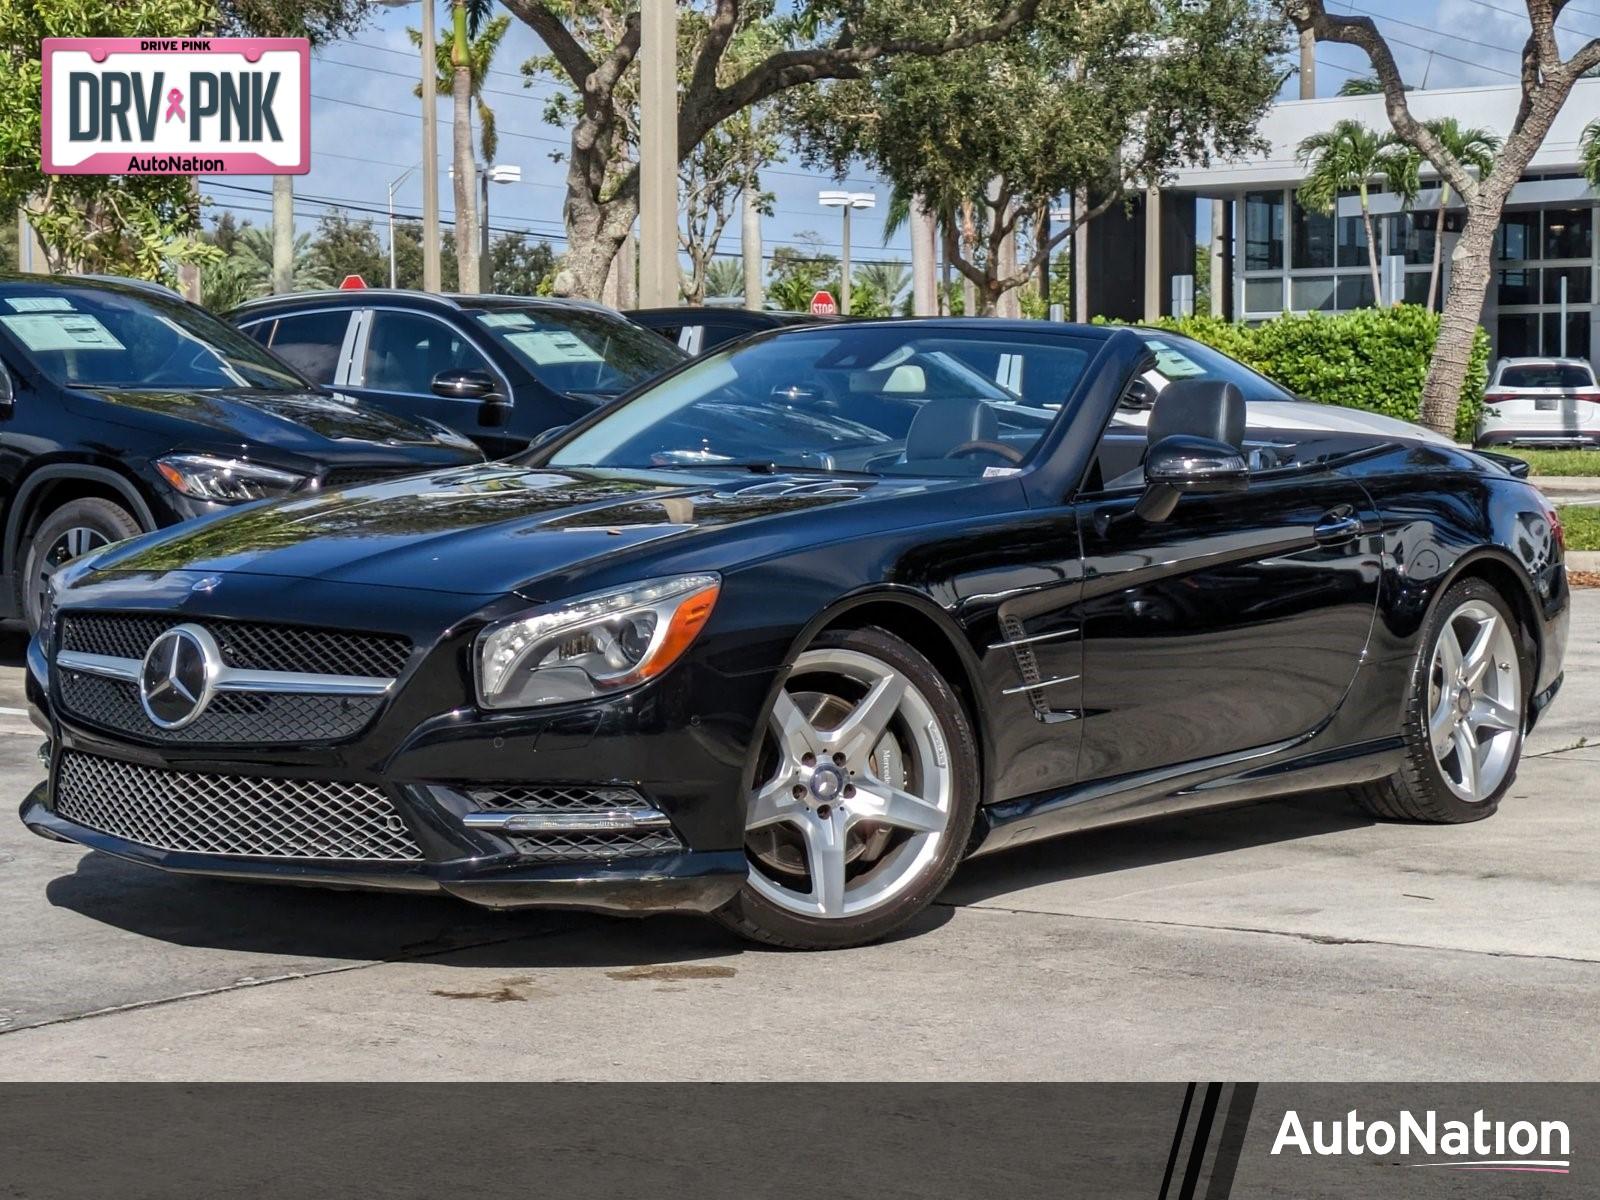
(1566, 485)
(1583, 560)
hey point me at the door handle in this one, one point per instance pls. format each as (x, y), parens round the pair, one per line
(1336, 527)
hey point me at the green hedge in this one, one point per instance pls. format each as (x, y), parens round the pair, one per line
(1372, 358)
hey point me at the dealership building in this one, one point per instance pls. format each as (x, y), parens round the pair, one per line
(1273, 256)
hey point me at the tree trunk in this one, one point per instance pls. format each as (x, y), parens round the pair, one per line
(750, 245)
(1438, 247)
(1372, 250)
(924, 300)
(466, 171)
(1008, 301)
(1471, 266)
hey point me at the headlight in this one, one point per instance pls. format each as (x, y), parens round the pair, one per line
(593, 645)
(225, 480)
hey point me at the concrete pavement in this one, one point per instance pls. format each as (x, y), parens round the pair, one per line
(1289, 940)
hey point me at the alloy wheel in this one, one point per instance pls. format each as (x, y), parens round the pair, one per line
(857, 788)
(1475, 714)
(72, 543)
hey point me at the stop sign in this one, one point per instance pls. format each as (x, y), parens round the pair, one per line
(351, 283)
(822, 305)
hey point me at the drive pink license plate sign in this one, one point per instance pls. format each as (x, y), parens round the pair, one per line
(177, 106)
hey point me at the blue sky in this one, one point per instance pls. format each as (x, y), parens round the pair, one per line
(365, 129)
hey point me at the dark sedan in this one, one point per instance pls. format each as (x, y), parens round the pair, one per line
(499, 369)
(790, 633)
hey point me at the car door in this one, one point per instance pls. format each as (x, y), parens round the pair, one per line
(397, 357)
(1235, 624)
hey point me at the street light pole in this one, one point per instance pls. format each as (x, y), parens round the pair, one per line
(658, 154)
(845, 201)
(393, 184)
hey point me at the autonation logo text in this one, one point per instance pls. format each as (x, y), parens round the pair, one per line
(1480, 1144)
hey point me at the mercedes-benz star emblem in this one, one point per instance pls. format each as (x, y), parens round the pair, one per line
(179, 671)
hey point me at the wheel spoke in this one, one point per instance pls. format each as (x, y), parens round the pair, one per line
(1479, 655)
(1449, 655)
(863, 729)
(1442, 723)
(796, 737)
(1488, 713)
(775, 803)
(877, 801)
(1467, 759)
(825, 860)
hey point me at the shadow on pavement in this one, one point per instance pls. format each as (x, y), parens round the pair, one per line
(1150, 843)
(13, 644)
(318, 923)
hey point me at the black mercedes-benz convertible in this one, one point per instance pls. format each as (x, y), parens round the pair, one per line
(791, 631)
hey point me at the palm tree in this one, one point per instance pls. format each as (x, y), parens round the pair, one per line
(1591, 154)
(1345, 158)
(725, 277)
(464, 59)
(1474, 149)
(888, 279)
(1361, 85)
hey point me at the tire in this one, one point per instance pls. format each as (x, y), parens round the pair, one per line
(77, 527)
(1429, 788)
(918, 770)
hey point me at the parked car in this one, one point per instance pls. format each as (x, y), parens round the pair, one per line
(499, 369)
(123, 409)
(792, 631)
(696, 330)
(1541, 402)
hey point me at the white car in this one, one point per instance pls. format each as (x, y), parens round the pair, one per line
(1541, 402)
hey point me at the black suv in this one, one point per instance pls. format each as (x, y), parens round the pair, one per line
(499, 369)
(123, 409)
(697, 330)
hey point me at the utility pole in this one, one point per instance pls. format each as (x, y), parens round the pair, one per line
(282, 234)
(658, 154)
(750, 245)
(1308, 65)
(924, 284)
(432, 280)
(1152, 252)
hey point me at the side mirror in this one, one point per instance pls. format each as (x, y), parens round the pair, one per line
(1183, 464)
(463, 385)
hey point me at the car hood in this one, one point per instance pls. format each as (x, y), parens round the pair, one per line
(1304, 416)
(481, 530)
(295, 422)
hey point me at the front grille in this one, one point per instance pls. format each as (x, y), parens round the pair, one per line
(232, 814)
(240, 717)
(349, 477)
(245, 645)
(517, 797)
(603, 847)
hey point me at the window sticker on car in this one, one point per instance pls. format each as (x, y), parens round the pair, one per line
(61, 331)
(547, 347)
(507, 320)
(1173, 364)
(28, 304)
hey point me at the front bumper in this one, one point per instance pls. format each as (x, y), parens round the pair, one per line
(680, 744)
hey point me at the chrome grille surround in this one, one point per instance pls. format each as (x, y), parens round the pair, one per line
(232, 815)
(246, 645)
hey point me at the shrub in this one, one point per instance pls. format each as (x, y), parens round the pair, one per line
(1371, 358)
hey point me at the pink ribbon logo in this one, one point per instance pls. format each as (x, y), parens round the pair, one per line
(175, 105)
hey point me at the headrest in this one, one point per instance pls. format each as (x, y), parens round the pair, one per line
(1209, 408)
(942, 425)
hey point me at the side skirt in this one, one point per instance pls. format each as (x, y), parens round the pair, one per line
(1277, 770)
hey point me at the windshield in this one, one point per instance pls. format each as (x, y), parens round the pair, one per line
(574, 351)
(1547, 375)
(882, 399)
(92, 338)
